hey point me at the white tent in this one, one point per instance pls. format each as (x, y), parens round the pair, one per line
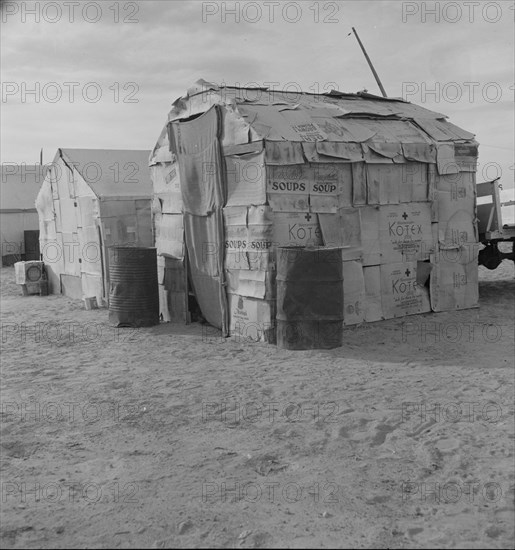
(92, 199)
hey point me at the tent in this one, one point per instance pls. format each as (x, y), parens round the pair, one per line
(19, 187)
(92, 199)
(237, 172)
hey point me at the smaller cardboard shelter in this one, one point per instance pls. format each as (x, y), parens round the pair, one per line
(92, 199)
(19, 186)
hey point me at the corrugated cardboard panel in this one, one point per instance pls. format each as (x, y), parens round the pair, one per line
(445, 159)
(288, 187)
(454, 279)
(166, 184)
(248, 237)
(373, 303)
(405, 232)
(236, 242)
(170, 235)
(296, 229)
(343, 230)
(331, 187)
(370, 235)
(283, 152)
(251, 319)
(414, 182)
(466, 155)
(249, 283)
(260, 253)
(456, 197)
(359, 183)
(383, 183)
(400, 293)
(246, 179)
(353, 293)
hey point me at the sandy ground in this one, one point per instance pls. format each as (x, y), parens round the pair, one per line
(172, 437)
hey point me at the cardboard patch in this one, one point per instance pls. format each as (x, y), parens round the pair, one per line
(401, 294)
(250, 319)
(405, 232)
(373, 304)
(296, 229)
(454, 279)
(353, 293)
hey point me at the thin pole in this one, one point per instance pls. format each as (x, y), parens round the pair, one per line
(370, 64)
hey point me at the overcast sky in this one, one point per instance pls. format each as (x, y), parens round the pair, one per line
(106, 73)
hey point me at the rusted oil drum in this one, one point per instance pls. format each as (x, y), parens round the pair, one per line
(309, 297)
(133, 288)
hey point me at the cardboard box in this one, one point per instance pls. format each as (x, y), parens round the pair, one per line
(454, 279)
(405, 232)
(373, 304)
(353, 293)
(251, 319)
(401, 294)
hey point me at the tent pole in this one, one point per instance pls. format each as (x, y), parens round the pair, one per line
(370, 63)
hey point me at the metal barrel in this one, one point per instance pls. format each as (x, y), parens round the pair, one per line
(133, 288)
(309, 298)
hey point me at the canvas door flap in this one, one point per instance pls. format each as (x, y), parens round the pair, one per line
(204, 241)
(200, 194)
(198, 150)
(246, 179)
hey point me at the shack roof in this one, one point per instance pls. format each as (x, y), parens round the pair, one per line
(111, 173)
(334, 116)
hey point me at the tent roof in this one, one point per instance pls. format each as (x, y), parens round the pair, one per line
(19, 185)
(112, 172)
(307, 117)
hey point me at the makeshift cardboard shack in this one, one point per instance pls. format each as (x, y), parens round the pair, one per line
(19, 186)
(238, 172)
(92, 199)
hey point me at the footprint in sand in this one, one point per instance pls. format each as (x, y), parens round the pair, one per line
(447, 445)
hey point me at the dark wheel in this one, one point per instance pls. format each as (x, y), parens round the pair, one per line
(490, 256)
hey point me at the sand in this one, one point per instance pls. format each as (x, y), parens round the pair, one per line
(173, 437)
